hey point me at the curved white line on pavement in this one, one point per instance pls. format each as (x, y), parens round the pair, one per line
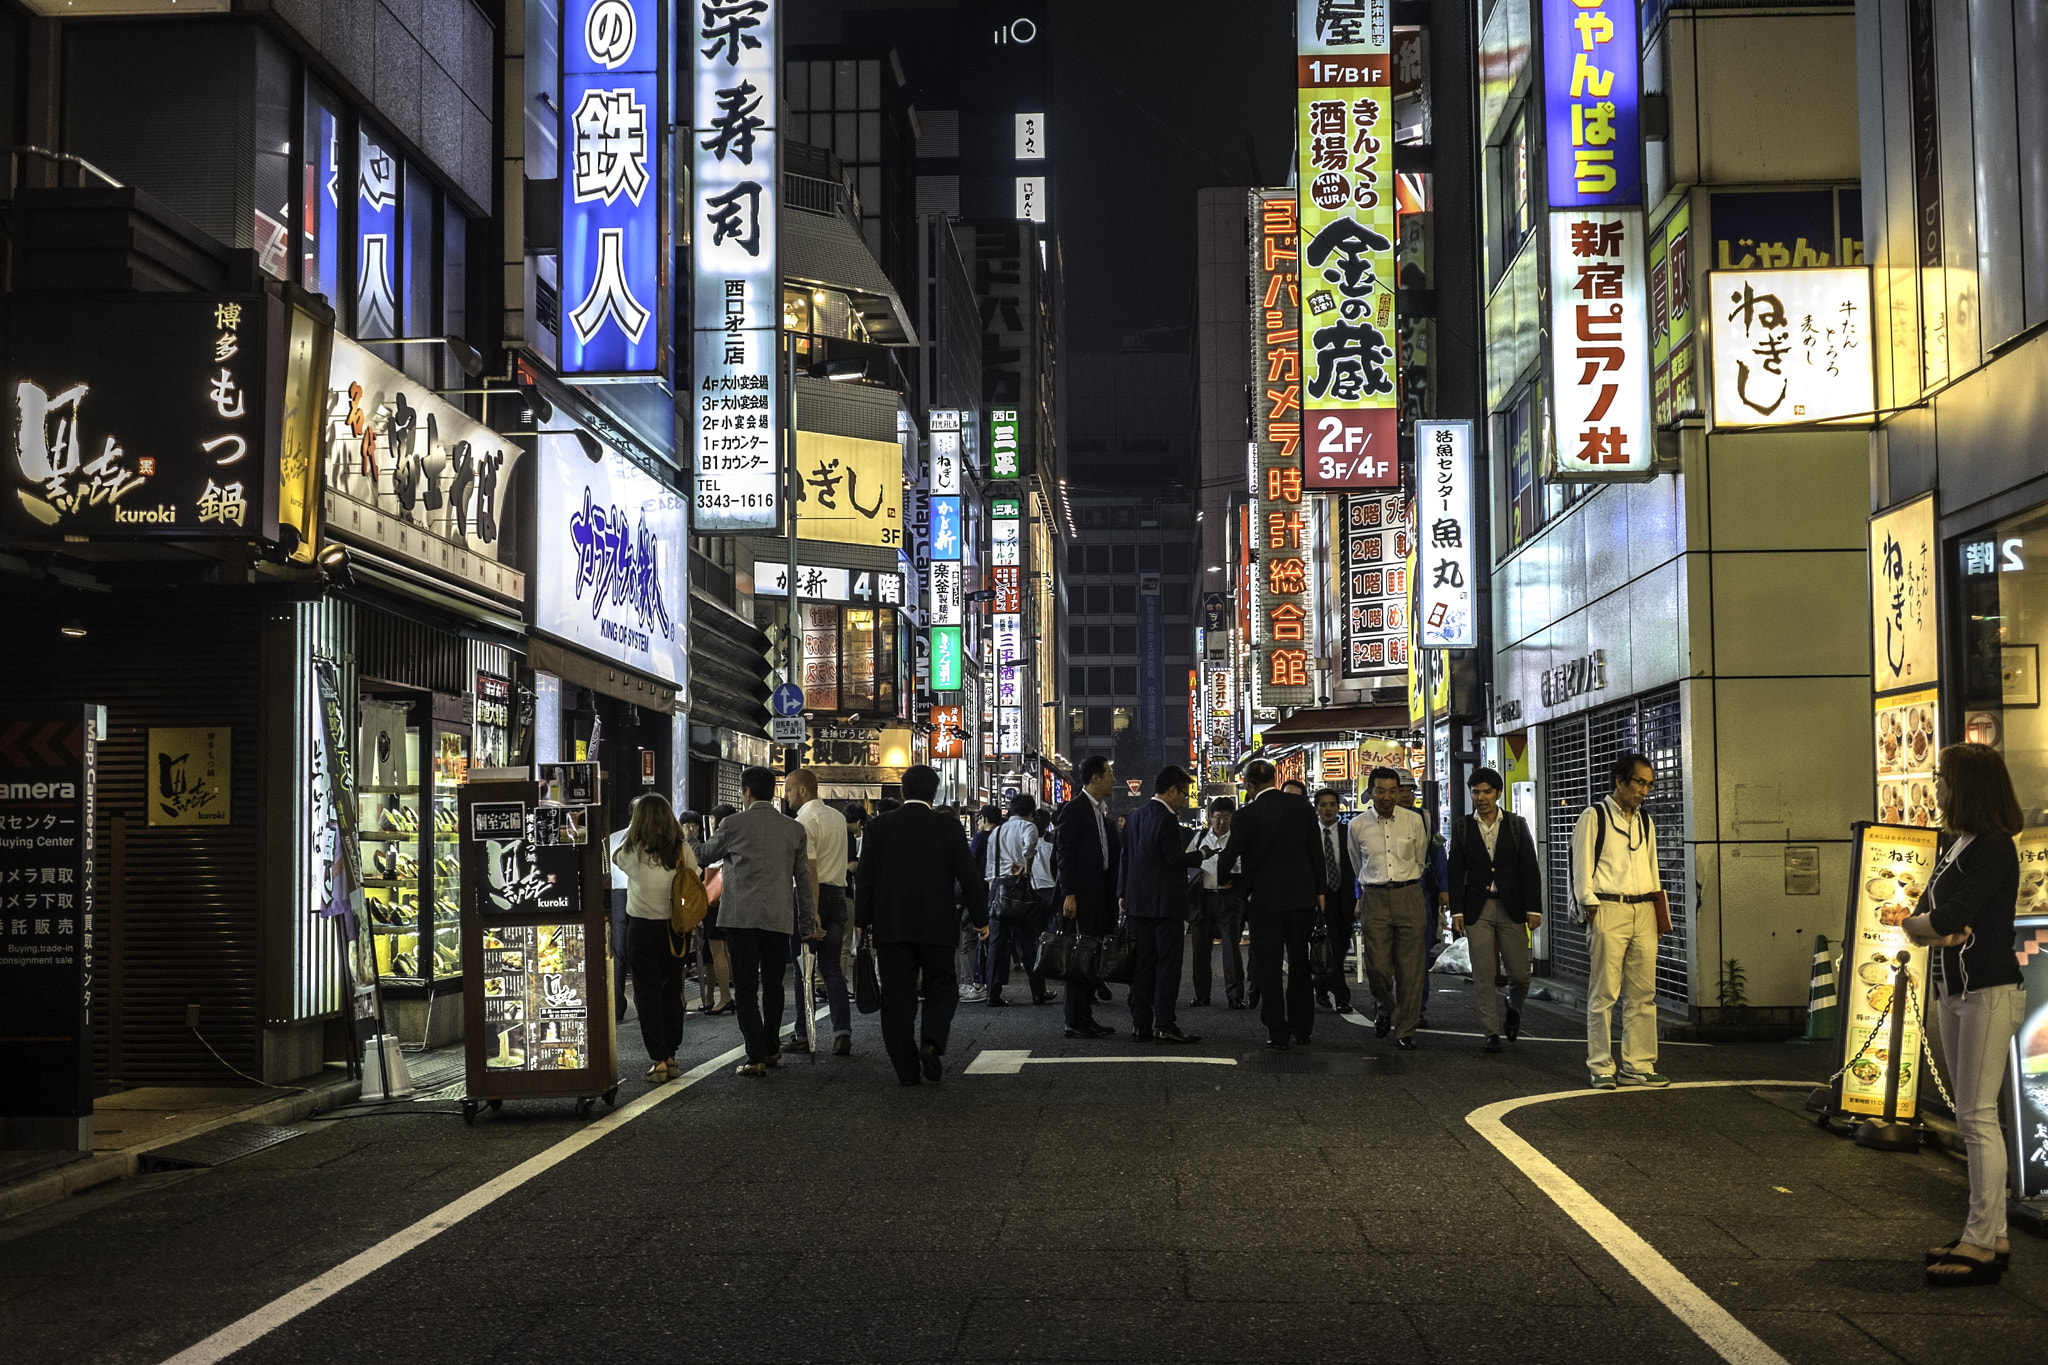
(1714, 1324)
(318, 1290)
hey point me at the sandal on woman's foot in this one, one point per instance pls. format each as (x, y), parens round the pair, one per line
(1969, 1272)
(660, 1072)
(2001, 1259)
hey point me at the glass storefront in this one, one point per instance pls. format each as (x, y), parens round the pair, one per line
(2000, 603)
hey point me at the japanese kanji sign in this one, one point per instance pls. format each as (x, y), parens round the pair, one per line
(1599, 346)
(1447, 601)
(946, 727)
(612, 149)
(48, 787)
(849, 491)
(1375, 584)
(945, 450)
(1002, 444)
(143, 417)
(1283, 614)
(1790, 346)
(1904, 644)
(189, 777)
(1591, 84)
(946, 658)
(734, 199)
(1348, 399)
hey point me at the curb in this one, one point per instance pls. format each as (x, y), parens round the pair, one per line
(48, 1187)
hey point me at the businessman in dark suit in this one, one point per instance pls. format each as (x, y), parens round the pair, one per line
(915, 874)
(1340, 895)
(1155, 898)
(1279, 863)
(1496, 894)
(1086, 851)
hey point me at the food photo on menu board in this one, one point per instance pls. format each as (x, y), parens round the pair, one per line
(1892, 865)
(568, 784)
(1907, 743)
(536, 998)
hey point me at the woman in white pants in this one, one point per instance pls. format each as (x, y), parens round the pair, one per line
(1966, 918)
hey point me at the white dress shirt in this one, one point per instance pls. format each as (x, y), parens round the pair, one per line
(825, 829)
(1628, 861)
(1014, 844)
(1211, 844)
(1490, 836)
(1390, 849)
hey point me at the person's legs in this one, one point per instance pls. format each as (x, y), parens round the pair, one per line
(1639, 993)
(671, 1003)
(1409, 919)
(1301, 991)
(896, 969)
(1268, 938)
(1512, 936)
(1229, 928)
(772, 965)
(1376, 917)
(1167, 937)
(999, 952)
(1607, 940)
(721, 971)
(646, 946)
(1337, 922)
(1201, 947)
(1483, 937)
(1976, 1037)
(622, 953)
(941, 996)
(748, 948)
(838, 1003)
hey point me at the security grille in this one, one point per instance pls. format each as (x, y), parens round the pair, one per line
(1576, 755)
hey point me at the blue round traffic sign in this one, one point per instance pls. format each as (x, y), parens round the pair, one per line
(789, 700)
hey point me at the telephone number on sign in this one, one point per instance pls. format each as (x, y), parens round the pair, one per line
(723, 500)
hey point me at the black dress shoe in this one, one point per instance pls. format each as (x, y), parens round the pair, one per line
(1278, 1044)
(1142, 1035)
(1102, 994)
(1237, 1005)
(1198, 1004)
(1422, 1021)
(1049, 998)
(1174, 1035)
(1383, 1025)
(1323, 1001)
(1405, 1044)
(1083, 1033)
(1101, 1031)
(934, 1067)
(842, 1046)
(1512, 1025)
(1301, 1040)
(995, 1000)
(1492, 1043)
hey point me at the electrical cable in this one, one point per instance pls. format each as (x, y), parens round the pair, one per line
(297, 1089)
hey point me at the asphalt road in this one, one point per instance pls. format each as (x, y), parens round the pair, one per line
(1332, 1205)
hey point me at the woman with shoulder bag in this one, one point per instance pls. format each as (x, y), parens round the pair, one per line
(1966, 918)
(651, 856)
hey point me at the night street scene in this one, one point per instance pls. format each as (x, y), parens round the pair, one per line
(897, 681)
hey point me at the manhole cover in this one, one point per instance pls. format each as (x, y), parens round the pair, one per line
(214, 1148)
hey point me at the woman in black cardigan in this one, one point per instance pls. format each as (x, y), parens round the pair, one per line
(1966, 918)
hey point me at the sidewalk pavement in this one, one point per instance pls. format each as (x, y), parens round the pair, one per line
(129, 1125)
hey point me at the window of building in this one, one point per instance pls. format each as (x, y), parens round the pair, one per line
(1077, 677)
(276, 95)
(1148, 559)
(1077, 558)
(320, 210)
(1126, 679)
(1123, 720)
(1098, 682)
(1176, 557)
(1098, 639)
(837, 105)
(1126, 557)
(1098, 720)
(1517, 214)
(1077, 718)
(1124, 600)
(1126, 640)
(1077, 637)
(1100, 601)
(1176, 599)
(1098, 559)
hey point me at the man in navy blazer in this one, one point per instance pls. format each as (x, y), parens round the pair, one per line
(1273, 844)
(1086, 852)
(1155, 899)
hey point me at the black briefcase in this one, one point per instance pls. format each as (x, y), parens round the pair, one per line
(867, 983)
(1117, 958)
(1056, 951)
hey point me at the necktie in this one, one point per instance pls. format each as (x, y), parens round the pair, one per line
(1334, 867)
(1101, 832)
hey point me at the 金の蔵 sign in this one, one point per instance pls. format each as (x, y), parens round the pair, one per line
(1790, 346)
(1599, 346)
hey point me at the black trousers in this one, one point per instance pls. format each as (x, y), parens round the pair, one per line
(759, 957)
(1338, 922)
(657, 985)
(1155, 973)
(1214, 921)
(910, 974)
(1275, 932)
(1014, 936)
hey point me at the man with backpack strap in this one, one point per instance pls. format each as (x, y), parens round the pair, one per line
(1617, 894)
(1012, 903)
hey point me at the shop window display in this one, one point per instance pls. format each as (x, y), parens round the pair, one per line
(2001, 577)
(412, 874)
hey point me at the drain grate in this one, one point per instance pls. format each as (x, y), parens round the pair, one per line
(436, 1075)
(215, 1148)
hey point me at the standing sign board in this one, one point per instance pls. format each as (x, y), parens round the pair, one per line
(48, 780)
(1905, 661)
(1445, 533)
(1891, 866)
(536, 917)
(2026, 1091)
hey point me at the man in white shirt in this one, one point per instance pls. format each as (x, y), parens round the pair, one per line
(1389, 847)
(825, 847)
(1012, 850)
(1614, 885)
(1219, 913)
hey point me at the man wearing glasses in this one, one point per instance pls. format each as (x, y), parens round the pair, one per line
(1615, 889)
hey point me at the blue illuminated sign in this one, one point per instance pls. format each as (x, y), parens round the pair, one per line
(946, 528)
(614, 129)
(377, 252)
(1592, 83)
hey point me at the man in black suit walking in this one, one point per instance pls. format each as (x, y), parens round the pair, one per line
(1280, 866)
(1087, 851)
(915, 873)
(1340, 905)
(1496, 899)
(1155, 897)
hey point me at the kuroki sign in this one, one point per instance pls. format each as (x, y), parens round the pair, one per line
(610, 561)
(143, 417)
(413, 475)
(614, 188)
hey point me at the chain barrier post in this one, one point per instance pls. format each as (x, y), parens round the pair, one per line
(1887, 1133)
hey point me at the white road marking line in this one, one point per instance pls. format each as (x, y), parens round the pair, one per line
(1714, 1324)
(1003, 1062)
(318, 1290)
(1353, 1016)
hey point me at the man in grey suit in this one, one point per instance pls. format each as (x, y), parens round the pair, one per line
(767, 896)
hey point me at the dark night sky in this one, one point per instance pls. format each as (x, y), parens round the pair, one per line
(1152, 100)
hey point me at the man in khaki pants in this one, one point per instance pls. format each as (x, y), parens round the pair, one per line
(1614, 886)
(1389, 848)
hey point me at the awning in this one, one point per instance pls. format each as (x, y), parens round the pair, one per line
(1334, 722)
(823, 249)
(574, 666)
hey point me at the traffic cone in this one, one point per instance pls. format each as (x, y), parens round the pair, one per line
(1820, 994)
